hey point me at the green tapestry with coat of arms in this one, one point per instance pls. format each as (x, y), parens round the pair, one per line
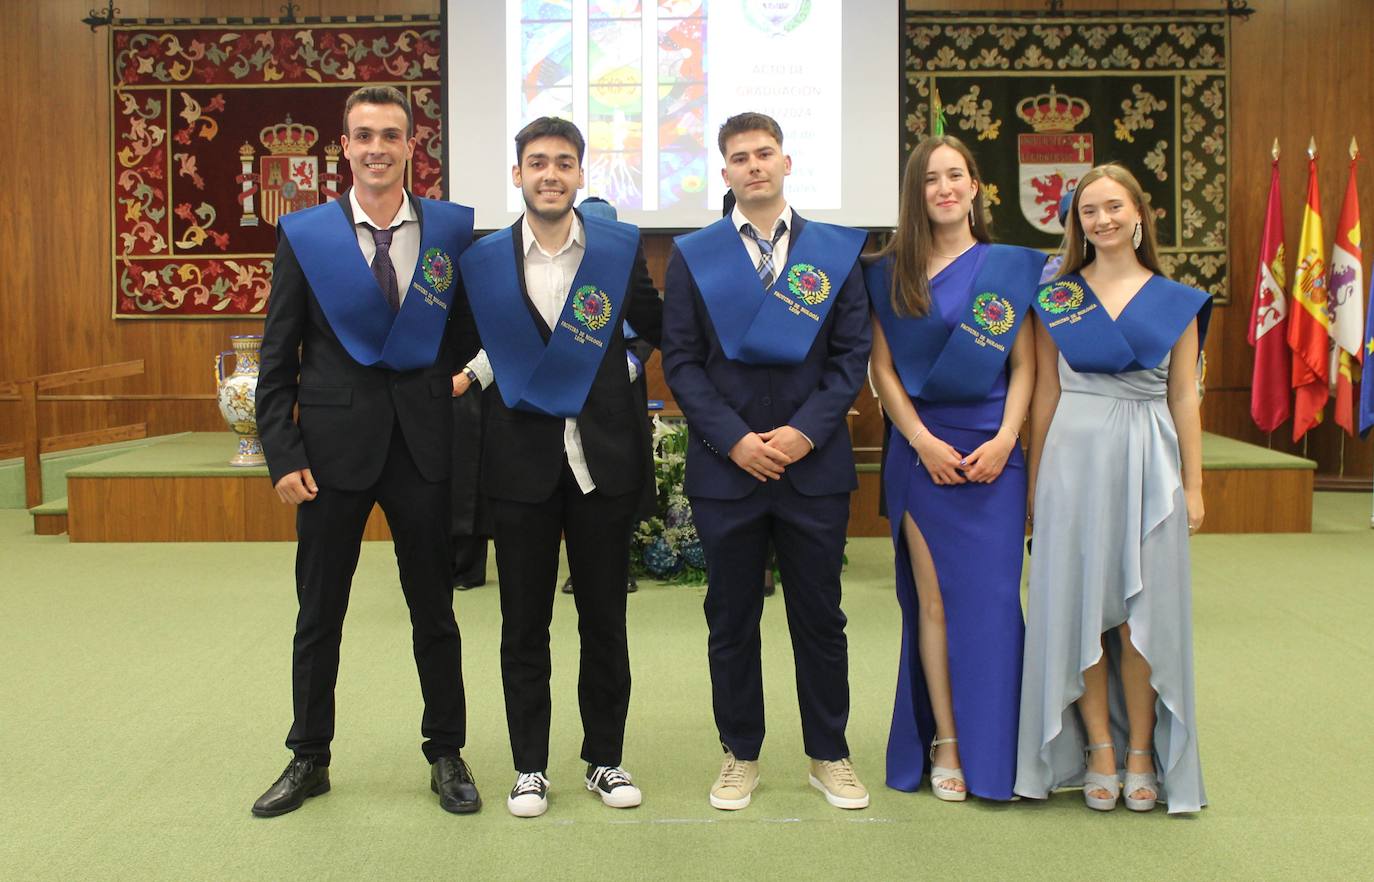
(1040, 101)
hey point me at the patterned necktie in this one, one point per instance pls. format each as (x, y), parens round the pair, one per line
(765, 268)
(383, 269)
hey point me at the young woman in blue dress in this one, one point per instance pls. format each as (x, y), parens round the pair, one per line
(953, 364)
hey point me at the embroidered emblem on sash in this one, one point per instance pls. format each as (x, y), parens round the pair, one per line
(808, 284)
(994, 314)
(592, 307)
(438, 269)
(1061, 296)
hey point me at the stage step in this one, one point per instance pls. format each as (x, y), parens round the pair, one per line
(1245, 489)
(56, 465)
(184, 490)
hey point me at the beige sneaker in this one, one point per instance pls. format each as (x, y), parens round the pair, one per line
(735, 786)
(837, 780)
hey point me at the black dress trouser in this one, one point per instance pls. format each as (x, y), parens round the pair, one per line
(329, 531)
(597, 530)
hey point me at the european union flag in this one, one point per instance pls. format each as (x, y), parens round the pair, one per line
(1367, 378)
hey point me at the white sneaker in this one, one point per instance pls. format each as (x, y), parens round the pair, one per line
(529, 798)
(614, 786)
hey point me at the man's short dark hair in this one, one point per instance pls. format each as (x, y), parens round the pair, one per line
(748, 122)
(378, 95)
(549, 127)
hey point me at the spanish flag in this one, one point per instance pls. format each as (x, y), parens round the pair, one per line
(1309, 325)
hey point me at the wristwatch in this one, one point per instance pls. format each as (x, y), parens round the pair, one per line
(472, 377)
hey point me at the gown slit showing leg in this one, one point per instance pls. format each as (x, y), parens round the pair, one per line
(973, 532)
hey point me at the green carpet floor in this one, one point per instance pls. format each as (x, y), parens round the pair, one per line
(145, 697)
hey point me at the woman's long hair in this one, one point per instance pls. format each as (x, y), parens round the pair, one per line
(912, 243)
(1078, 251)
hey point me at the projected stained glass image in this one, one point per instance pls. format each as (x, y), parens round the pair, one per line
(615, 106)
(546, 61)
(631, 74)
(681, 104)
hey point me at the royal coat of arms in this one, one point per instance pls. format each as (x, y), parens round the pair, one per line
(1053, 158)
(288, 177)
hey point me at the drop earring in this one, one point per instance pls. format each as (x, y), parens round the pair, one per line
(1138, 235)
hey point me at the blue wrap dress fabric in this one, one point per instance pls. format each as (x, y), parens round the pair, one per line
(1110, 546)
(974, 532)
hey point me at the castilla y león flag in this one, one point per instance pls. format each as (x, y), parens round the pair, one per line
(1309, 324)
(1345, 303)
(1269, 320)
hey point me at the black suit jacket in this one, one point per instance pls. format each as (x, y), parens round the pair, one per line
(347, 410)
(522, 452)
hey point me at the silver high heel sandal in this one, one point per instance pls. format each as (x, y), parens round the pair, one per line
(1141, 781)
(1098, 781)
(941, 775)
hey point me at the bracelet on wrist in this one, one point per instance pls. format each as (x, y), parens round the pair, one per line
(919, 432)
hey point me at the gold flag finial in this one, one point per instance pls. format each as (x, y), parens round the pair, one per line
(1274, 151)
(1354, 148)
(1312, 147)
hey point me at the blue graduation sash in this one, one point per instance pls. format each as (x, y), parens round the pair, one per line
(937, 364)
(327, 248)
(1139, 338)
(779, 325)
(550, 378)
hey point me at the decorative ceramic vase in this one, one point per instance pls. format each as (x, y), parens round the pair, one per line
(237, 394)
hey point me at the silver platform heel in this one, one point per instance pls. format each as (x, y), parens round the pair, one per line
(1141, 781)
(1098, 781)
(941, 775)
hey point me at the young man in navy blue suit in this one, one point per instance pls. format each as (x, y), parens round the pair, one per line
(765, 346)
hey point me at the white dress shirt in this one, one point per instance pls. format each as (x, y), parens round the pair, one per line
(548, 280)
(779, 248)
(405, 241)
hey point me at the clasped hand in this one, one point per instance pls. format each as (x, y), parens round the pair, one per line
(983, 466)
(766, 454)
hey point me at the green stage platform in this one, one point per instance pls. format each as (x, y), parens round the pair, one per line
(1247, 488)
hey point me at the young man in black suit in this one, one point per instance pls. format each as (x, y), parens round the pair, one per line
(565, 450)
(366, 324)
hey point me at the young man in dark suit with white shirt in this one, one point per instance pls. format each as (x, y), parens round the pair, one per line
(565, 450)
(366, 324)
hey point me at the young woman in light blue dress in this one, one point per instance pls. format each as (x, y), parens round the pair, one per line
(1116, 472)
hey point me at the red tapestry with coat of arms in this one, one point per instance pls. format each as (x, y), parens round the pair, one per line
(220, 130)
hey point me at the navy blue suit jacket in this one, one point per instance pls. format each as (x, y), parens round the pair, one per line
(724, 399)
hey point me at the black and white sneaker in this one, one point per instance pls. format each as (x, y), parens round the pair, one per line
(614, 786)
(529, 798)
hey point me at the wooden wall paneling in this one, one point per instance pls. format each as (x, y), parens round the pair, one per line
(55, 313)
(55, 309)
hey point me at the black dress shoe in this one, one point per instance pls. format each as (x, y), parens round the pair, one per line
(631, 586)
(567, 586)
(301, 780)
(451, 778)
